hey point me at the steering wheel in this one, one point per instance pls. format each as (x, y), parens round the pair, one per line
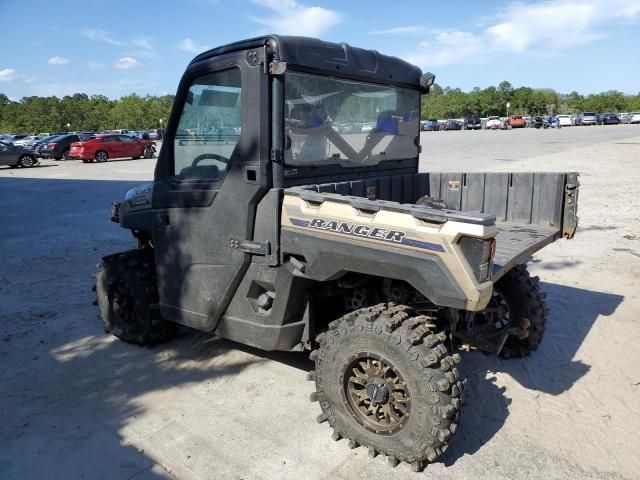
(204, 156)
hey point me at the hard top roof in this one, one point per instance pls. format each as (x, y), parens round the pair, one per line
(339, 59)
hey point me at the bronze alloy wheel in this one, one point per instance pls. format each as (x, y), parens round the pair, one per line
(376, 394)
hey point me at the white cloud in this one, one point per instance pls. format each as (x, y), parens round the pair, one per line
(527, 27)
(99, 35)
(58, 61)
(188, 45)
(7, 75)
(291, 18)
(142, 42)
(409, 30)
(95, 65)
(126, 63)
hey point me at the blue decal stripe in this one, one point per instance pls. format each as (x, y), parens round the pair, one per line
(406, 241)
(425, 245)
(299, 223)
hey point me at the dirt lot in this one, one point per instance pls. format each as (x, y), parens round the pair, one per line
(75, 403)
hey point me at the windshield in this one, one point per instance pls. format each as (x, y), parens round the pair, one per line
(329, 121)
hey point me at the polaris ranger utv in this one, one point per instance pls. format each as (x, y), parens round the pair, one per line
(287, 213)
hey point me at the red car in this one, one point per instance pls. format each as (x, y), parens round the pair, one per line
(103, 147)
(516, 121)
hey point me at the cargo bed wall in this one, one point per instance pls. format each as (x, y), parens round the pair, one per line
(531, 209)
(519, 198)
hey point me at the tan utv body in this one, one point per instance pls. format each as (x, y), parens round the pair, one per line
(393, 237)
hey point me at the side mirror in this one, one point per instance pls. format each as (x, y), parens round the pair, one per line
(426, 81)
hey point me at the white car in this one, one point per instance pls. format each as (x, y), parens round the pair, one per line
(23, 142)
(493, 123)
(565, 120)
(633, 117)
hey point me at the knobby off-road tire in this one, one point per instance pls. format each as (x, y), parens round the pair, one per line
(524, 300)
(127, 292)
(392, 346)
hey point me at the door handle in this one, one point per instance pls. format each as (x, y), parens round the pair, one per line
(162, 220)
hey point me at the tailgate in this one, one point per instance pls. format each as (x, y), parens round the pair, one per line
(531, 209)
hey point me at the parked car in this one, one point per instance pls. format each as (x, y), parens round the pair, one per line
(493, 123)
(452, 125)
(40, 144)
(633, 117)
(156, 133)
(553, 121)
(431, 125)
(472, 122)
(14, 138)
(608, 119)
(28, 140)
(564, 120)
(516, 121)
(539, 122)
(16, 156)
(586, 118)
(59, 147)
(101, 148)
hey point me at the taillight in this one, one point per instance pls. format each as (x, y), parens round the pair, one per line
(480, 254)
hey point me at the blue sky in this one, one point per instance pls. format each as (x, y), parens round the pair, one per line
(117, 47)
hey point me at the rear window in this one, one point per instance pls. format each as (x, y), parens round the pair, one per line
(589, 114)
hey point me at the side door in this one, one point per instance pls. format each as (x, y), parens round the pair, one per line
(206, 189)
(110, 145)
(7, 154)
(129, 146)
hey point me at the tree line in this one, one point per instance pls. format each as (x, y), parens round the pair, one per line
(97, 112)
(82, 112)
(454, 103)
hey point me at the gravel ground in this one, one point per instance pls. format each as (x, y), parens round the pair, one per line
(75, 403)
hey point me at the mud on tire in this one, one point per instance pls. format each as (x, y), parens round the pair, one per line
(127, 294)
(390, 338)
(525, 301)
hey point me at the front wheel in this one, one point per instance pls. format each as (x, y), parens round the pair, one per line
(148, 152)
(26, 161)
(127, 291)
(385, 380)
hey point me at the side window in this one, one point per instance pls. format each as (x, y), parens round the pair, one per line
(109, 139)
(126, 139)
(209, 128)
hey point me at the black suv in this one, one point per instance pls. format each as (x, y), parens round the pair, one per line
(58, 148)
(472, 122)
(608, 119)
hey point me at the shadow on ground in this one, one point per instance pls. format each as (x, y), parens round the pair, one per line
(552, 369)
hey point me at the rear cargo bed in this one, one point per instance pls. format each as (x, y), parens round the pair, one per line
(531, 209)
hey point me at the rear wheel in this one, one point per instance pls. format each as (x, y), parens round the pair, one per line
(148, 152)
(126, 287)
(101, 156)
(521, 296)
(385, 380)
(65, 154)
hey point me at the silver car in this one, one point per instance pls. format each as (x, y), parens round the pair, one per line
(633, 117)
(587, 118)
